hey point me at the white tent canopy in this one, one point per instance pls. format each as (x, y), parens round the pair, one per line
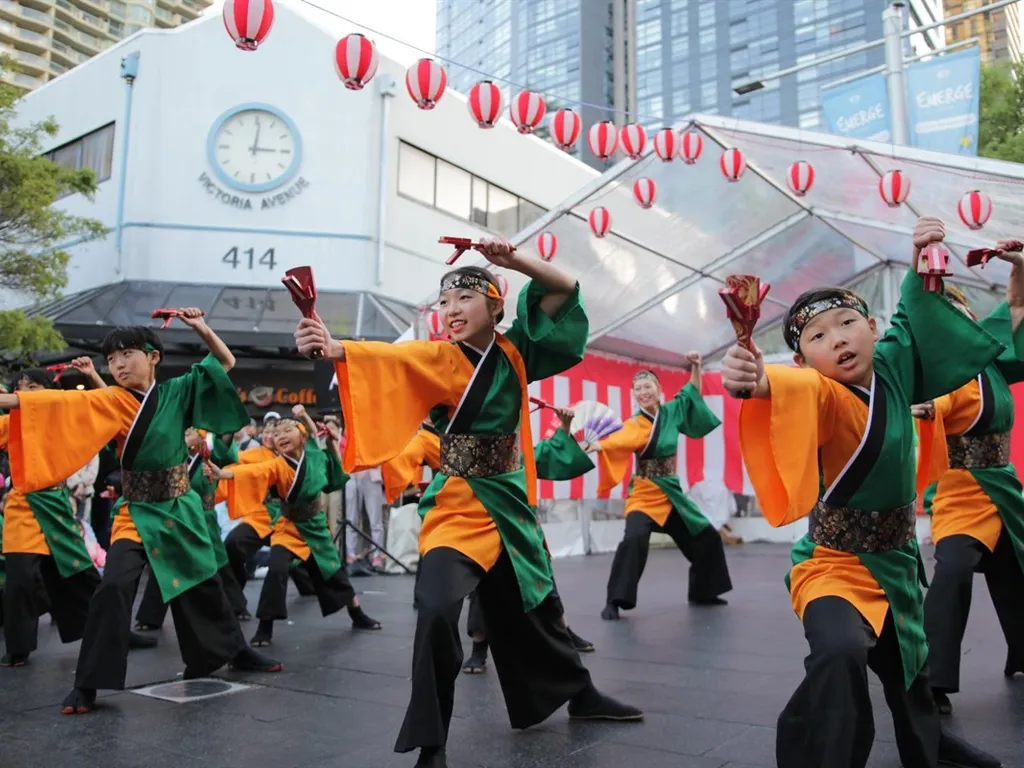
(650, 284)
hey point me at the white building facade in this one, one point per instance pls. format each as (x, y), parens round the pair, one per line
(219, 169)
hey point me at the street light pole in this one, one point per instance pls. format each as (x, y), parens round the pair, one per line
(895, 78)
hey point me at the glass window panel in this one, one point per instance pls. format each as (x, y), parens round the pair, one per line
(340, 312)
(201, 296)
(454, 190)
(280, 315)
(528, 213)
(98, 152)
(416, 174)
(479, 215)
(404, 313)
(502, 211)
(135, 306)
(96, 309)
(68, 156)
(238, 309)
(375, 326)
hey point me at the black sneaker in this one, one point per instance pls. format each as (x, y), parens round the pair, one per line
(581, 645)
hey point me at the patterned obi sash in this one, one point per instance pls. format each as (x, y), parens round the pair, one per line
(979, 452)
(155, 485)
(857, 530)
(654, 468)
(300, 511)
(464, 455)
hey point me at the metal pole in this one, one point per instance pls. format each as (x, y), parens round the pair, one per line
(387, 90)
(892, 25)
(129, 71)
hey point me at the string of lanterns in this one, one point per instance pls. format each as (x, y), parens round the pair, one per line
(248, 22)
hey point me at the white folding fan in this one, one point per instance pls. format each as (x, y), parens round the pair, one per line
(594, 421)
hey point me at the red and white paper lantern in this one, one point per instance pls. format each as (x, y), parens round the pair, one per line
(435, 328)
(894, 187)
(484, 103)
(691, 144)
(800, 177)
(502, 282)
(527, 110)
(600, 221)
(732, 163)
(974, 208)
(547, 245)
(666, 143)
(355, 59)
(565, 128)
(603, 137)
(633, 140)
(248, 21)
(644, 190)
(425, 80)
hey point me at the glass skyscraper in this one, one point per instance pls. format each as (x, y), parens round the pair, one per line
(662, 59)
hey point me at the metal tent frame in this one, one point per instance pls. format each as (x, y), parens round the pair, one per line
(649, 284)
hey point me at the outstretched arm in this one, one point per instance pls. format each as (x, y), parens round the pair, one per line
(193, 317)
(559, 285)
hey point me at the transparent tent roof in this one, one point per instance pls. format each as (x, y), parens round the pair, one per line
(650, 284)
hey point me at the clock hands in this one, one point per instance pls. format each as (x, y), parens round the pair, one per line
(256, 141)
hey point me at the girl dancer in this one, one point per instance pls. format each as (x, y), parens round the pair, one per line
(161, 521)
(835, 436)
(656, 501)
(301, 473)
(479, 527)
(977, 510)
(152, 608)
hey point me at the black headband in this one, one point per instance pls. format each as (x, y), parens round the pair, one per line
(801, 314)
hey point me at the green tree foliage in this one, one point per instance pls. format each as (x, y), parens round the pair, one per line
(32, 264)
(1001, 123)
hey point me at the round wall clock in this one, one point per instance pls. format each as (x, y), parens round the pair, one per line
(254, 148)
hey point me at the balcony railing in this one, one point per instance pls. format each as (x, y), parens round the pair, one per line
(33, 59)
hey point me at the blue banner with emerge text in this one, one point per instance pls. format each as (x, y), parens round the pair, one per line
(944, 95)
(858, 110)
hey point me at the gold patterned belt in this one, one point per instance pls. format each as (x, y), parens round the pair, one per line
(300, 511)
(857, 530)
(979, 452)
(155, 484)
(652, 468)
(465, 455)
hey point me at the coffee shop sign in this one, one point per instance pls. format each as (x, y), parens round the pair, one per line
(262, 397)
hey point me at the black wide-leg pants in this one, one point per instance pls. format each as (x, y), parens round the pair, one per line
(475, 626)
(538, 668)
(66, 599)
(208, 632)
(948, 602)
(828, 722)
(241, 544)
(332, 594)
(709, 572)
(153, 610)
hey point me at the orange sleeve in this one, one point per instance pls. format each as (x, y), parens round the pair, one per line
(249, 486)
(402, 471)
(83, 421)
(779, 439)
(221, 493)
(5, 431)
(955, 413)
(392, 384)
(617, 451)
(256, 455)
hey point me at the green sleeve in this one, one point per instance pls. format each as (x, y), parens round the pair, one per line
(1000, 325)
(561, 458)
(323, 470)
(211, 397)
(928, 497)
(932, 347)
(690, 414)
(549, 345)
(224, 454)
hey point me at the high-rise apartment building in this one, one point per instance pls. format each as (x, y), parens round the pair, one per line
(663, 59)
(48, 37)
(998, 31)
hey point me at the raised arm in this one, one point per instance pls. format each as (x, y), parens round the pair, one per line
(696, 366)
(193, 318)
(1015, 285)
(560, 286)
(85, 366)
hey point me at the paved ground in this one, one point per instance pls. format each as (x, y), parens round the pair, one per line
(712, 682)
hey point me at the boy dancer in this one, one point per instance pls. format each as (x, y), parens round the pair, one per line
(834, 438)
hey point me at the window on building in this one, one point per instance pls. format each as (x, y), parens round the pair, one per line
(446, 187)
(94, 151)
(141, 15)
(416, 171)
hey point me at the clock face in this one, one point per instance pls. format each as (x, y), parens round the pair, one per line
(254, 149)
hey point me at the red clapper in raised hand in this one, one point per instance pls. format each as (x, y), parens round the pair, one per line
(743, 295)
(58, 369)
(933, 265)
(541, 404)
(980, 256)
(462, 244)
(166, 315)
(300, 284)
